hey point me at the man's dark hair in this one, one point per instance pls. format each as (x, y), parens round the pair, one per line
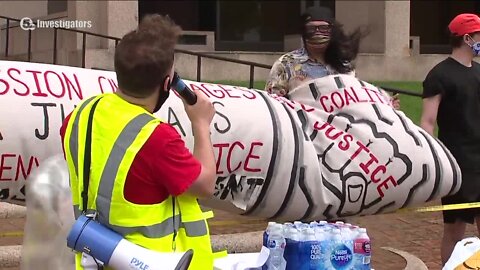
(454, 40)
(343, 48)
(144, 56)
(457, 41)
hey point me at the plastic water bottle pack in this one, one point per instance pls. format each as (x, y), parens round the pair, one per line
(316, 246)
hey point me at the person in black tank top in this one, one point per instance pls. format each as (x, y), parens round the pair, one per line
(451, 99)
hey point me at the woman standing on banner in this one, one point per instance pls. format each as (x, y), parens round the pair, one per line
(451, 98)
(326, 50)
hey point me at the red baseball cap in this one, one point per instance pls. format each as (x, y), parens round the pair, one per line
(465, 23)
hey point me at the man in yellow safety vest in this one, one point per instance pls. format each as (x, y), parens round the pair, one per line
(131, 169)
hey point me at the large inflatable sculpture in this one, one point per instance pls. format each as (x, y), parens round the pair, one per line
(335, 148)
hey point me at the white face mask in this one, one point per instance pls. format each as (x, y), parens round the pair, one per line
(475, 46)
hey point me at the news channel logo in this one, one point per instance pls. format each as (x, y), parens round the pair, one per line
(29, 24)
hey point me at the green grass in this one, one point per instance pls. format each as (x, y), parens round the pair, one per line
(410, 105)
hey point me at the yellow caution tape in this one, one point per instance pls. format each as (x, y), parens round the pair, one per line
(11, 234)
(436, 208)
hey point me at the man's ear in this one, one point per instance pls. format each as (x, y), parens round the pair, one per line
(166, 84)
(467, 38)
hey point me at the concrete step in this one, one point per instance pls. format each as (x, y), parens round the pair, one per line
(8, 210)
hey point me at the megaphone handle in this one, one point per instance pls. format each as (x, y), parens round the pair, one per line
(185, 261)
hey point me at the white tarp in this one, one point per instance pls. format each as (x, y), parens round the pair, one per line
(339, 150)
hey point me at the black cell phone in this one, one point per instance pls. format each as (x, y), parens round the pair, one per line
(183, 90)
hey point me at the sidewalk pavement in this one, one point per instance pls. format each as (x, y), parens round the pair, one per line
(419, 234)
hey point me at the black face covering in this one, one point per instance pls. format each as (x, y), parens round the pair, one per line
(317, 34)
(317, 14)
(162, 97)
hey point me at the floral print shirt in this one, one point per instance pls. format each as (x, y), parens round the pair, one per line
(293, 69)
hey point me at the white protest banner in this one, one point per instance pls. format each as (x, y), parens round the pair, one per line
(374, 159)
(337, 150)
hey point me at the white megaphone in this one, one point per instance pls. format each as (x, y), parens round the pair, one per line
(109, 247)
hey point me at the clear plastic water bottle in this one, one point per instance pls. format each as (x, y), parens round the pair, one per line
(354, 231)
(310, 251)
(297, 224)
(345, 232)
(293, 233)
(347, 237)
(362, 250)
(322, 223)
(292, 248)
(323, 236)
(309, 234)
(286, 229)
(340, 255)
(276, 244)
(267, 231)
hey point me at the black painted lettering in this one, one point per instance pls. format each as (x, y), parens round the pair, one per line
(227, 121)
(44, 135)
(171, 113)
(62, 112)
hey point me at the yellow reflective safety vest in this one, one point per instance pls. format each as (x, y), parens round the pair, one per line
(119, 130)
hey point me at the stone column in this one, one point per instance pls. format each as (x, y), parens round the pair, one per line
(20, 9)
(122, 18)
(369, 14)
(385, 52)
(94, 11)
(397, 28)
(110, 18)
